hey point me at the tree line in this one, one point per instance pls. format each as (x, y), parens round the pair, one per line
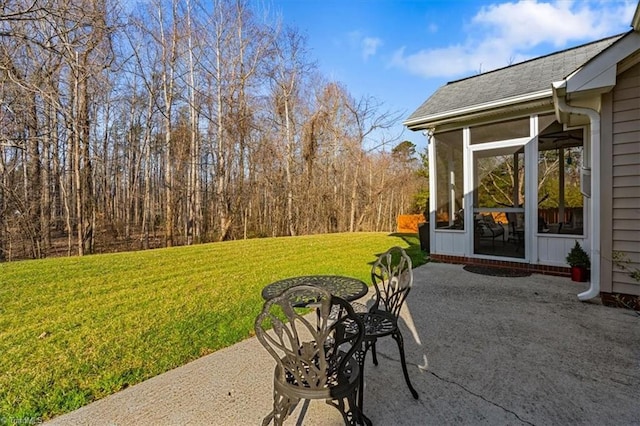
(181, 122)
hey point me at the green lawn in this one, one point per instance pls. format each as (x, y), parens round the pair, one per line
(73, 330)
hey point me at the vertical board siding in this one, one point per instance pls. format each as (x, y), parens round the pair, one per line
(449, 243)
(626, 176)
(553, 249)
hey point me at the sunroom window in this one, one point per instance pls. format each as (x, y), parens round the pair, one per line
(449, 180)
(560, 160)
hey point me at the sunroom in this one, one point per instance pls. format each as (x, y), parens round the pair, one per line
(509, 190)
(510, 184)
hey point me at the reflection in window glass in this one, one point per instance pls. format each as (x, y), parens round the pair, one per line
(500, 178)
(449, 180)
(560, 202)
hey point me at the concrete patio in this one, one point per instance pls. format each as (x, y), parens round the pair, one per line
(481, 349)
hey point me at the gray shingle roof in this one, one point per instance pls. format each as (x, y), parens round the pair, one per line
(531, 76)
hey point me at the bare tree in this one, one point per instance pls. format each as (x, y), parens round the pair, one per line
(370, 125)
(203, 122)
(194, 216)
(239, 46)
(291, 68)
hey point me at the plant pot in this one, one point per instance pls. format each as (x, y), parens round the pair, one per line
(579, 274)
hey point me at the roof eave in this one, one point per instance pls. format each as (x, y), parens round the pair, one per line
(476, 111)
(600, 73)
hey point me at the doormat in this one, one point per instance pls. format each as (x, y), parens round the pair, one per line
(496, 272)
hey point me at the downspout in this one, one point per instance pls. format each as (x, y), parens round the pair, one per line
(431, 153)
(559, 97)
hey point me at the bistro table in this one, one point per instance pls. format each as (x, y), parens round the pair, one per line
(347, 288)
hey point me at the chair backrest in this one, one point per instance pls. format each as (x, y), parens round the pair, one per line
(311, 349)
(392, 277)
(488, 219)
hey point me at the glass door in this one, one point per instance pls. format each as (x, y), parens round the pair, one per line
(498, 201)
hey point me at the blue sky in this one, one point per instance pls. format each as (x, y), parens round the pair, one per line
(401, 51)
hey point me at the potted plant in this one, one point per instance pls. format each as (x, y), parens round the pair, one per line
(579, 261)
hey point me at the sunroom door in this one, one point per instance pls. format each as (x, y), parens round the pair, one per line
(498, 201)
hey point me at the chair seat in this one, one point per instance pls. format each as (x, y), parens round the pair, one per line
(359, 308)
(339, 384)
(378, 323)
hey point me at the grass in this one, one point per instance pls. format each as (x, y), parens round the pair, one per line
(73, 330)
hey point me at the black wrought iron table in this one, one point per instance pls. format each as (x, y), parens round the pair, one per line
(347, 288)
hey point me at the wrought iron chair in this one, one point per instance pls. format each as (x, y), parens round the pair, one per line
(316, 355)
(486, 227)
(392, 277)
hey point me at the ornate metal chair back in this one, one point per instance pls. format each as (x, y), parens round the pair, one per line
(310, 349)
(392, 277)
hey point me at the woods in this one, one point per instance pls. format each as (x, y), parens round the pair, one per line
(181, 122)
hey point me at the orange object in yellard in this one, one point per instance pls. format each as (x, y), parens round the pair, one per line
(408, 223)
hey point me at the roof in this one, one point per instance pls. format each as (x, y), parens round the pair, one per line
(515, 81)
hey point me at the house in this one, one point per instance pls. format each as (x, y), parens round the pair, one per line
(528, 159)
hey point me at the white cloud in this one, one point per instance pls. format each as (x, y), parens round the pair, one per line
(370, 46)
(500, 34)
(529, 23)
(452, 60)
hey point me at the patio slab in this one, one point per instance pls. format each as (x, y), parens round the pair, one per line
(481, 350)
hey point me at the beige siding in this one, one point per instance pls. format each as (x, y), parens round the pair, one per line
(626, 115)
(625, 246)
(627, 192)
(628, 181)
(624, 169)
(626, 148)
(624, 105)
(626, 126)
(626, 203)
(625, 163)
(625, 214)
(626, 137)
(627, 92)
(629, 225)
(626, 235)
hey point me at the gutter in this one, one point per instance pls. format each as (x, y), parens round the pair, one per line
(428, 121)
(561, 106)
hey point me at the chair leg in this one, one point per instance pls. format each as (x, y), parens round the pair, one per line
(400, 341)
(352, 416)
(361, 356)
(281, 406)
(267, 419)
(373, 353)
(360, 418)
